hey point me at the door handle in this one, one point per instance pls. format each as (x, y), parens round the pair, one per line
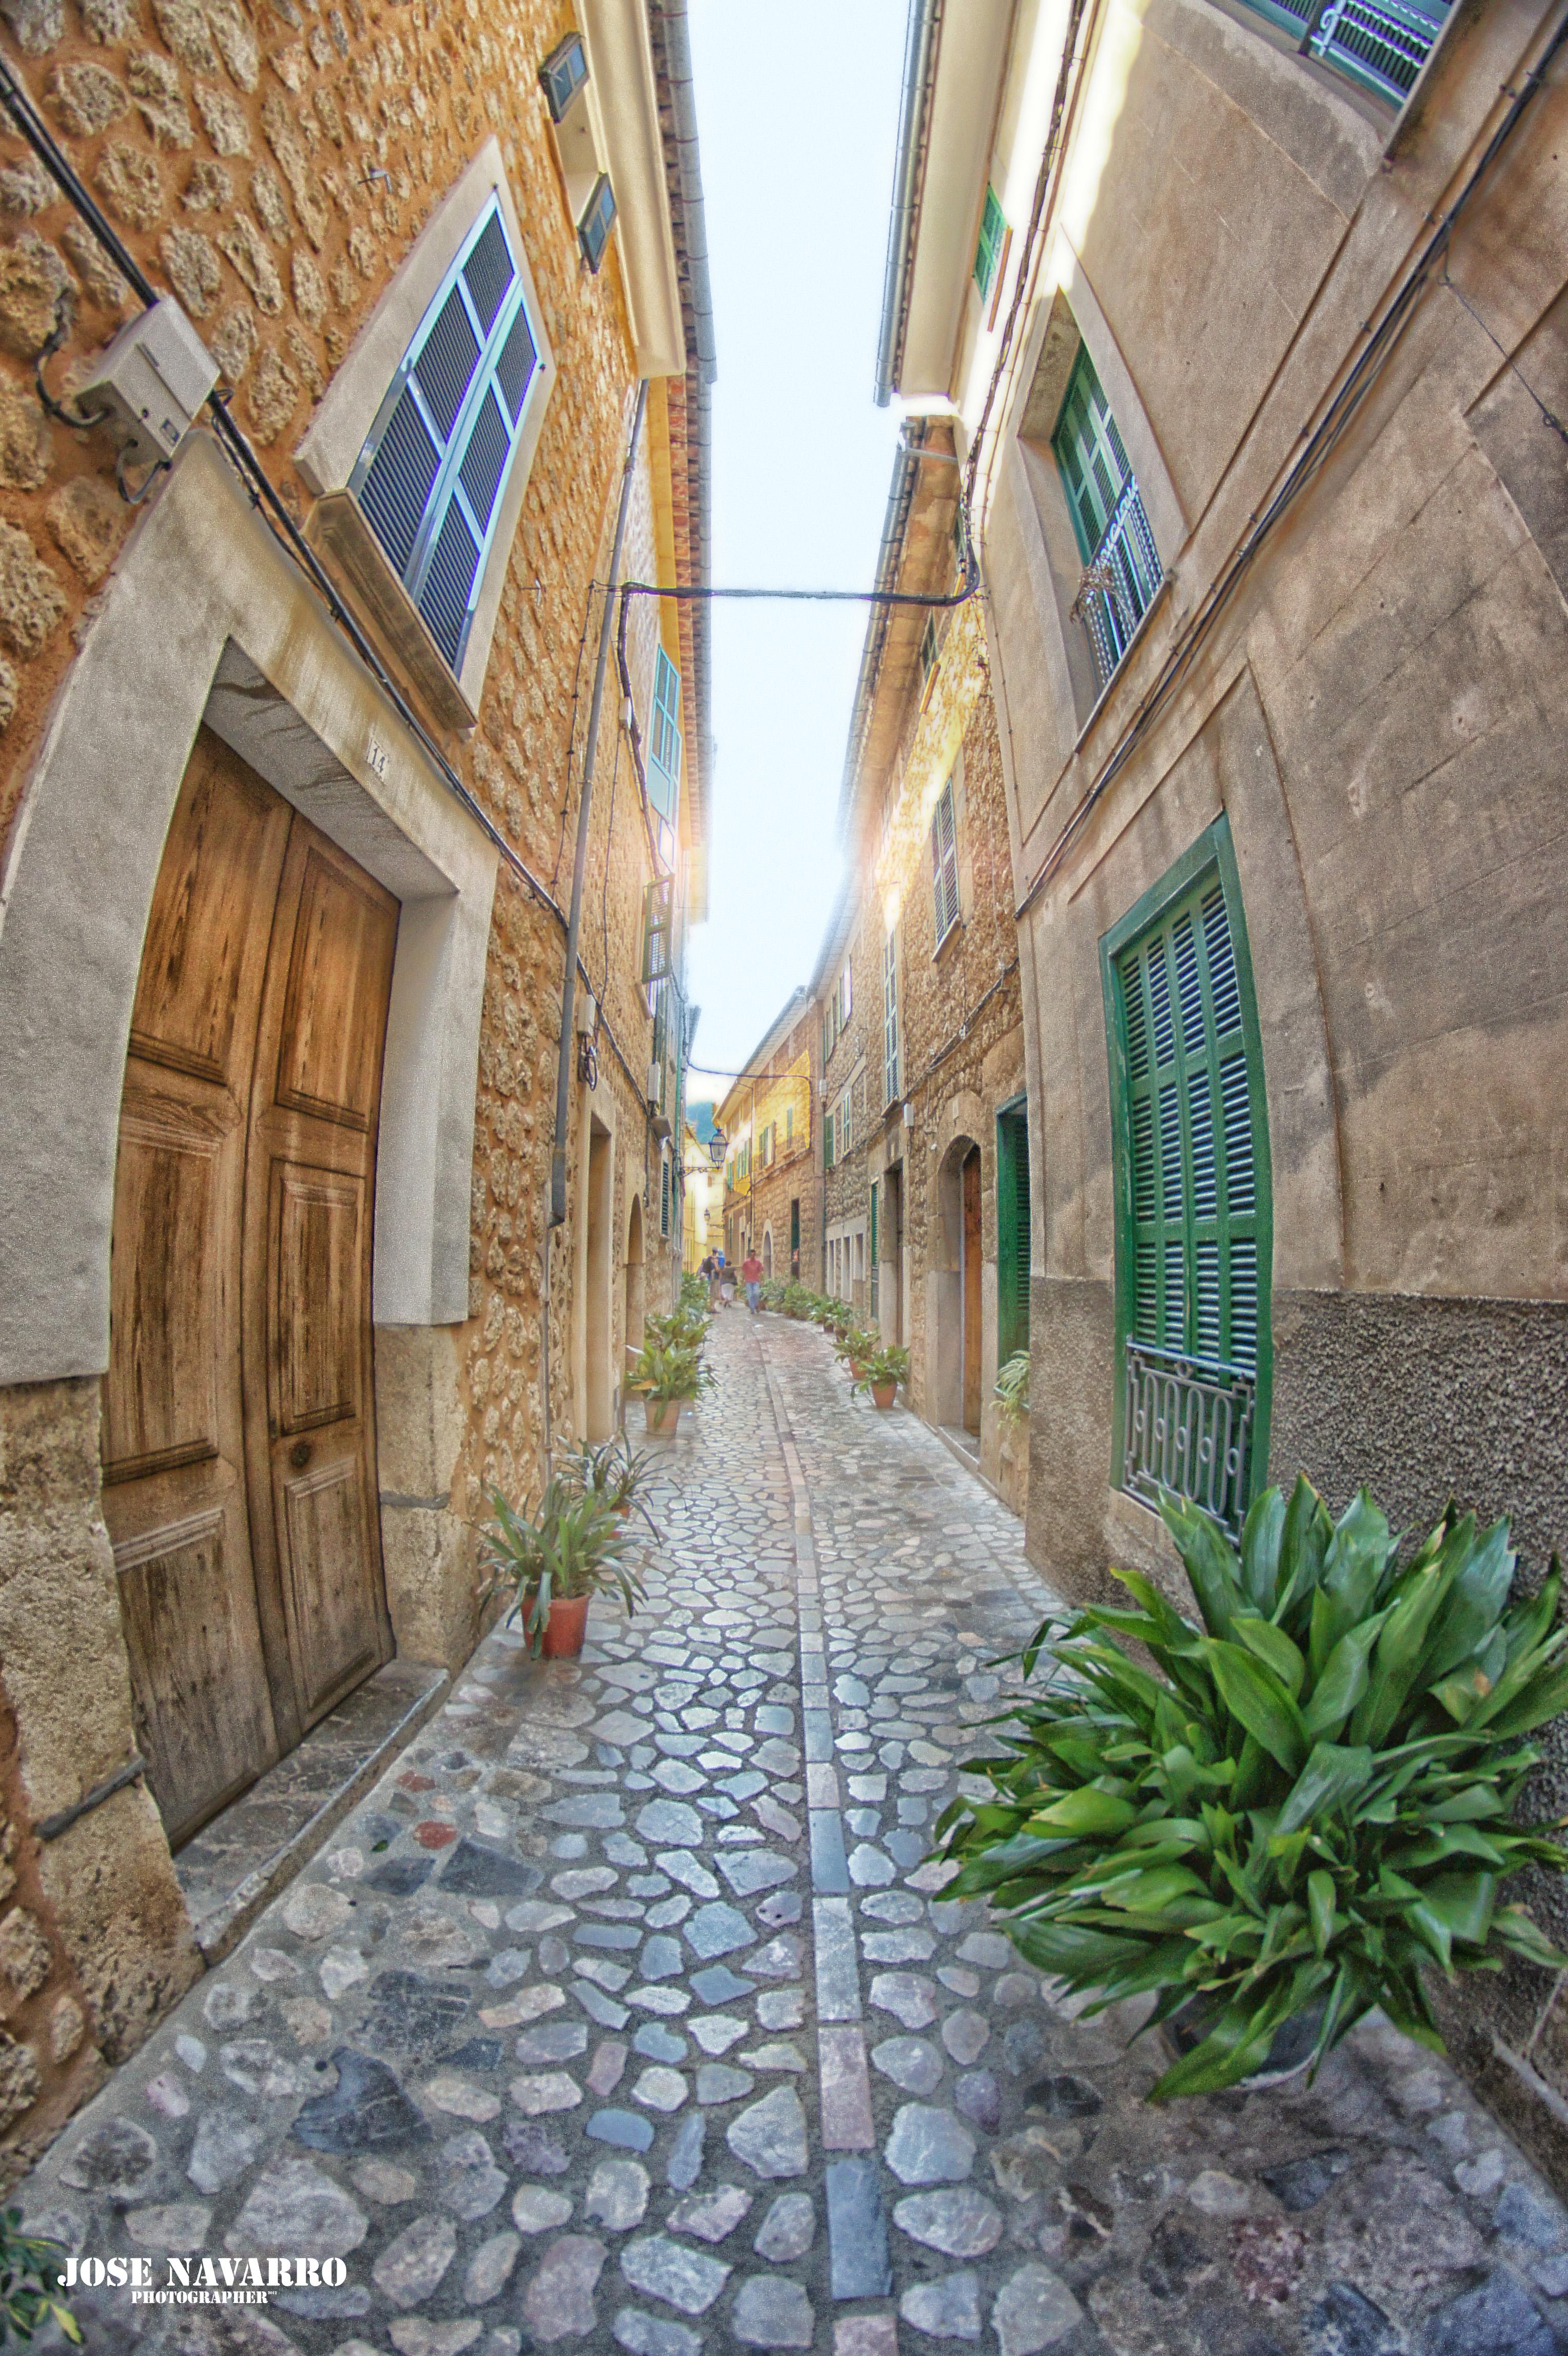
(299, 1454)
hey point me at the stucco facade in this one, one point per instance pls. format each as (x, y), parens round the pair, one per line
(771, 1121)
(1344, 673)
(305, 188)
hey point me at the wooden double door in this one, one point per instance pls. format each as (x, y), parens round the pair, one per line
(239, 1434)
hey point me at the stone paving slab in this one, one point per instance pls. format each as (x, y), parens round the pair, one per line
(624, 2013)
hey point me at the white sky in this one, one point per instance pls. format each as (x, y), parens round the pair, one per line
(797, 114)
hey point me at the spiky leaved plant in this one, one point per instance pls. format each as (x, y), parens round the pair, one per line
(571, 1544)
(1313, 1799)
(32, 2274)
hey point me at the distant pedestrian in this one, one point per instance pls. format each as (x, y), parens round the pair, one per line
(709, 1272)
(727, 1281)
(751, 1277)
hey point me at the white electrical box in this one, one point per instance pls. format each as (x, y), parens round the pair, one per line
(153, 380)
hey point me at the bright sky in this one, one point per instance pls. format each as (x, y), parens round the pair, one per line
(797, 113)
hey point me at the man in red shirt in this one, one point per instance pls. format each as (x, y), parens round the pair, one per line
(751, 1277)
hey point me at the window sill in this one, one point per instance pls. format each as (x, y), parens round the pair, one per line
(956, 926)
(339, 532)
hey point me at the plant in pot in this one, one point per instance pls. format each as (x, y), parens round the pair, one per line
(554, 1561)
(669, 1374)
(682, 1329)
(881, 1375)
(856, 1346)
(613, 1470)
(694, 1292)
(1308, 1801)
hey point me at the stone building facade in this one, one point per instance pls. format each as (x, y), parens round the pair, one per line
(218, 741)
(772, 1189)
(927, 1198)
(1272, 523)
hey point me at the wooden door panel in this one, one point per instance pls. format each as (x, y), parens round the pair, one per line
(328, 1567)
(335, 1009)
(174, 1494)
(175, 1205)
(310, 1196)
(971, 1311)
(207, 932)
(188, 1603)
(319, 1309)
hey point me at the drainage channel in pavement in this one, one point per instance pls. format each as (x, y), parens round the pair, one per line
(625, 2012)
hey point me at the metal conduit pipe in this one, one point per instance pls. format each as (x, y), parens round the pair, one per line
(585, 810)
(918, 49)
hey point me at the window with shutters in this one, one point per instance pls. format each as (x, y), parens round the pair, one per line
(988, 247)
(828, 1142)
(664, 739)
(1012, 1229)
(1193, 1214)
(875, 1296)
(1382, 44)
(890, 1017)
(664, 1193)
(1121, 563)
(432, 474)
(846, 997)
(944, 863)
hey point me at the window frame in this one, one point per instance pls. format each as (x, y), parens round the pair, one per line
(1012, 1237)
(330, 450)
(1213, 852)
(891, 1074)
(988, 244)
(944, 863)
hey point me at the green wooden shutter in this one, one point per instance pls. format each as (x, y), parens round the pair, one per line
(873, 1271)
(1095, 468)
(1191, 1124)
(1011, 1232)
(944, 861)
(987, 251)
(828, 1142)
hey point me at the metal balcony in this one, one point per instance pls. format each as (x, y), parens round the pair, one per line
(1188, 1426)
(1119, 582)
(1384, 44)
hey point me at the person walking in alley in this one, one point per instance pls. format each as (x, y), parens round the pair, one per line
(727, 1280)
(709, 1272)
(751, 1277)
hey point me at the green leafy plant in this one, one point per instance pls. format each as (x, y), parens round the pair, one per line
(1311, 1803)
(856, 1346)
(669, 1370)
(693, 1291)
(1012, 1390)
(613, 1470)
(31, 2277)
(682, 1329)
(883, 1365)
(573, 1543)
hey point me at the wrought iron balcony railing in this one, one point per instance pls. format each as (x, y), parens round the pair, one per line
(1380, 43)
(1119, 582)
(1188, 1426)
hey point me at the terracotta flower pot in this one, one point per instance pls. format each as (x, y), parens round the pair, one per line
(663, 1418)
(565, 1627)
(883, 1393)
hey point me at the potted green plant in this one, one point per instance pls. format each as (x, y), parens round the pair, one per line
(881, 1373)
(1307, 1802)
(554, 1560)
(616, 1472)
(684, 1328)
(856, 1346)
(668, 1375)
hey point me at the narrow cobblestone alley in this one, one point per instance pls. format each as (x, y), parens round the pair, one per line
(624, 2012)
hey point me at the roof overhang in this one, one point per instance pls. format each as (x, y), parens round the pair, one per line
(961, 126)
(621, 60)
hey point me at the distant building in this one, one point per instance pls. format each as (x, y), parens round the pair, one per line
(772, 1186)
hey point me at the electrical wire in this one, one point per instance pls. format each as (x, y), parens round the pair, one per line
(269, 503)
(1548, 416)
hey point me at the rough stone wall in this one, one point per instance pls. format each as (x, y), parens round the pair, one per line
(855, 1067)
(271, 165)
(94, 1943)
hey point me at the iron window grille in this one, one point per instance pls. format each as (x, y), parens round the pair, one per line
(1382, 44)
(1188, 1426)
(1121, 563)
(430, 479)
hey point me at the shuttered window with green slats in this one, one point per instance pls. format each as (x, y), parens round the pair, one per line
(1012, 1230)
(1193, 1212)
(988, 246)
(944, 863)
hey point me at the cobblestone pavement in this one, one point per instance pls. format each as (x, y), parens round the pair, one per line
(623, 2014)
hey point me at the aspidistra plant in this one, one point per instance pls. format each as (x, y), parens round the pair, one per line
(1306, 1802)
